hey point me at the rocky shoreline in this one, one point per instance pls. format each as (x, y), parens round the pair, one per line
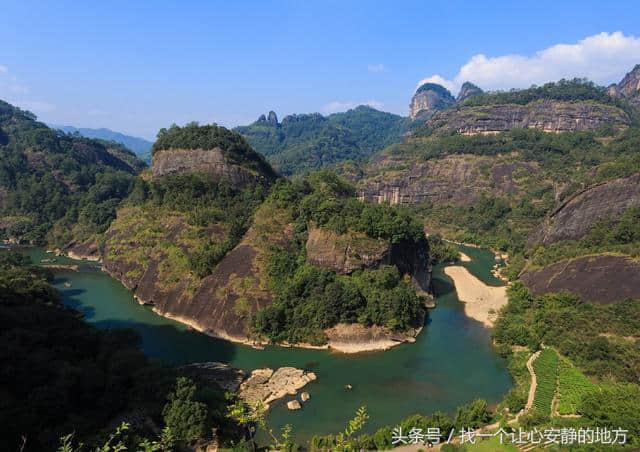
(260, 387)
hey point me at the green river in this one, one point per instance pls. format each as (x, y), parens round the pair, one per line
(451, 363)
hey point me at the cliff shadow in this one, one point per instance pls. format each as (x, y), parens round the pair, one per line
(175, 344)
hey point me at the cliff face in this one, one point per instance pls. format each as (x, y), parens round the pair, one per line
(548, 116)
(629, 87)
(575, 217)
(428, 99)
(457, 179)
(602, 279)
(467, 90)
(348, 252)
(147, 252)
(213, 162)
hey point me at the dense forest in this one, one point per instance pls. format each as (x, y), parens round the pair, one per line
(597, 376)
(52, 182)
(310, 299)
(573, 90)
(305, 142)
(195, 136)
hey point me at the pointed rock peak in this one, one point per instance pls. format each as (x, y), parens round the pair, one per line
(262, 118)
(630, 84)
(467, 90)
(429, 98)
(272, 118)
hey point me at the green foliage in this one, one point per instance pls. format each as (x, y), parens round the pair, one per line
(578, 330)
(310, 299)
(305, 142)
(441, 251)
(182, 414)
(546, 369)
(564, 90)
(573, 385)
(204, 202)
(57, 179)
(60, 374)
(207, 137)
(615, 406)
(621, 234)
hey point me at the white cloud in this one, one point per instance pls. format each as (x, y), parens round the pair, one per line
(338, 106)
(3, 69)
(603, 58)
(376, 68)
(439, 80)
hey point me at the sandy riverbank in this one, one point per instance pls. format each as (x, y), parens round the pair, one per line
(464, 257)
(481, 302)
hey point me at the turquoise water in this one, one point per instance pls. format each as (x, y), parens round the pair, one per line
(451, 363)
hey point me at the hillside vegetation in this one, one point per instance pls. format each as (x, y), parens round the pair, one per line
(51, 181)
(305, 142)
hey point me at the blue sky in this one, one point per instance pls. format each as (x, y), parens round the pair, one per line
(138, 66)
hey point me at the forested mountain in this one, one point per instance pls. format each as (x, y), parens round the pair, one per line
(52, 182)
(140, 146)
(309, 141)
(547, 173)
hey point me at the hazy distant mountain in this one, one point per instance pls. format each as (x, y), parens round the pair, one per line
(138, 145)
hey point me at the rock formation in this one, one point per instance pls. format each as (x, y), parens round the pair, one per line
(548, 116)
(457, 179)
(601, 279)
(265, 386)
(574, 218)
(428, 99)
(272, 118)
(467, 90)
(629, 87)
(345, 253)
(214, 162)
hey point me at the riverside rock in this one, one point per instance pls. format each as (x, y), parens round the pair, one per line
(294, 405)
(266, 385)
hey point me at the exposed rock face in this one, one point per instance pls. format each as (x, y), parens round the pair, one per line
(348, 252)
(213, 162)
(272, 118)
(548, 116)
(602, 279)
(264, 385)
(574, 218)
(457, 179)
(344, 253)
(467, 90)
(428, 99)
(629, 87)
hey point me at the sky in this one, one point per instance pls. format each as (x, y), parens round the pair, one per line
(137, 66)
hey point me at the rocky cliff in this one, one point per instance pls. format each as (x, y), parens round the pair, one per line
(601, 278)
(548, 115)
(346, 253)
(213, 162)
(629, 87)
(428, 99)
(467, 90)
(458, 179)
(574, 218)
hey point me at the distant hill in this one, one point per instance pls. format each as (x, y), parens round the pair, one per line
(140, 146)
(310, 141)
(53, 184)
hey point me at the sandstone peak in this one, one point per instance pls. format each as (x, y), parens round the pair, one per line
(467, 90)
(428, 99)
(272, 118)
(629, 86)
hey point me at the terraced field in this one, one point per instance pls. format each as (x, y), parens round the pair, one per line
(572, 385)
(546, 369)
